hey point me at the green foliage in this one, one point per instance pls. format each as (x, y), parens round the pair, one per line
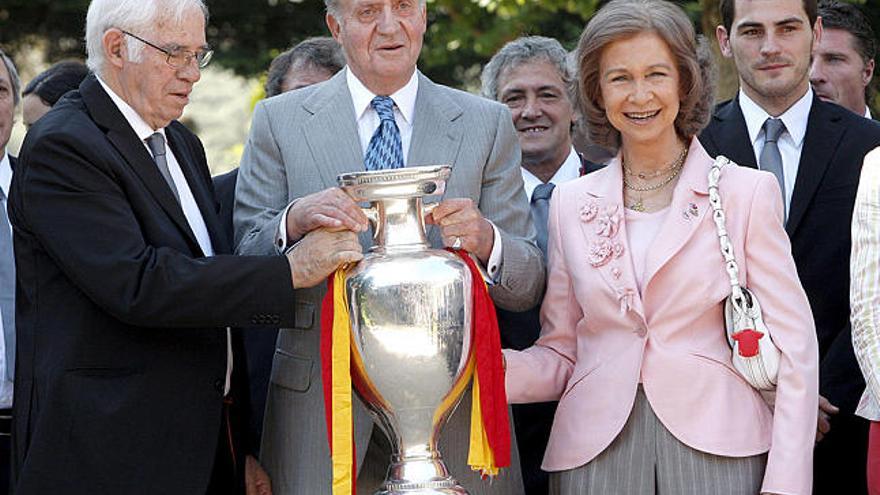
(462, 34)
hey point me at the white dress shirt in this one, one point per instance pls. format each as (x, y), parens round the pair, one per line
(868, 113)
(367, 122)
(569, 170)
(187, 200)
(790, 143)
(5, 385)
(865, 284)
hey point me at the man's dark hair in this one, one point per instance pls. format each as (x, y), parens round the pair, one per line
(728, 12)
(321, 52)
(848, 17)
(51, 84)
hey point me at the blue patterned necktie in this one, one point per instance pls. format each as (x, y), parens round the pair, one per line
(384, 151)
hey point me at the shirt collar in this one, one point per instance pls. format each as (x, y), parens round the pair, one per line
(404, 98)
(5, 173)
(569, 170)
(868, 113)
(137, 123)
(795, 118)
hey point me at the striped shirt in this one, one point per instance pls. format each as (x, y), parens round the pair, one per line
(865, 284)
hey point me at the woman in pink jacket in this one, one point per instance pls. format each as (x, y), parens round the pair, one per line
(633, 343)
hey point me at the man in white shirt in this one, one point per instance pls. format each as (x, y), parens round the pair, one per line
(843, 61)
(9, 99)
(300, 141)
(126, 287)
(532, 76)
(815, 150)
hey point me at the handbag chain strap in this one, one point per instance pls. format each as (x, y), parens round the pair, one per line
(736, 292)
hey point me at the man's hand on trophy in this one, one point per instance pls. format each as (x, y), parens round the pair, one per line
(330, 208)
(320, 253)
(463, 227)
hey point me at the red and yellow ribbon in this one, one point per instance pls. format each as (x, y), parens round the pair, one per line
(336, 374)
(490, 427)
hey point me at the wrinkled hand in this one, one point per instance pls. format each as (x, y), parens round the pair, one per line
(320, 253)
(256, 478)
(826, 410)
(460, 218)
(330, 208)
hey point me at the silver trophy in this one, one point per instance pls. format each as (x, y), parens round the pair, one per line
(411, 316)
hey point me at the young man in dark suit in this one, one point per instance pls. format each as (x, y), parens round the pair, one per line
(815, 149)
(124, 293)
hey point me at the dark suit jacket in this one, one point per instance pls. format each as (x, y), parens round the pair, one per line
(818, 225)
(121, 341)
(259, 346)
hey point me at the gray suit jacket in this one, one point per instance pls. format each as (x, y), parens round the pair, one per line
(299, 142)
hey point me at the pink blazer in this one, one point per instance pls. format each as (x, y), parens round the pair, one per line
(600, 338)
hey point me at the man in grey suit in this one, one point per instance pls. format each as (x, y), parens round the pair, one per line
(298, 144)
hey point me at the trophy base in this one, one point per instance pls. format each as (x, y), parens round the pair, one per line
(424, 489)
(420, 476)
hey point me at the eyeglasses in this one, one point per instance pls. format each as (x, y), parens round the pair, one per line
(178, 58)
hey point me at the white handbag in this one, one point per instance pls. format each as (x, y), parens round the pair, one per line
(754, 355)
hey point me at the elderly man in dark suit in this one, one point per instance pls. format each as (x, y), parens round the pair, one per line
(298, 144)
(124, 298)
(815, 149)
(9, 99)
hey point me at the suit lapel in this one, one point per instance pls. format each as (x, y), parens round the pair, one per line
(821, 140)
(436, 137)
(331, 133)
(690, 202)
(133, 151)
(601, 209)
(731, 136)
(199, 188)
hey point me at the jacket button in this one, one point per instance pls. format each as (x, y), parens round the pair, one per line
(640, 331)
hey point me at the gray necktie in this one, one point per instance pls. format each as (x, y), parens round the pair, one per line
(7, 287)
(771, 159)
(156, 143)
(540, 209)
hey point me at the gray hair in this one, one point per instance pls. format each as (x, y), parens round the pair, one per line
(333, 7)
(13, 77)
(138, 16)
(523, 50)
(620, 19)
(321, 52)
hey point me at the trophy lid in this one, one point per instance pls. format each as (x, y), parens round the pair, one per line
(405, 182)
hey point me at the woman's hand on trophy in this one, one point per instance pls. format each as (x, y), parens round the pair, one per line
(463, 227)
(330, 208)
(320, 253)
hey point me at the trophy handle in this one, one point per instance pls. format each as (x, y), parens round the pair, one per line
(427, 209)
(372, 214)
